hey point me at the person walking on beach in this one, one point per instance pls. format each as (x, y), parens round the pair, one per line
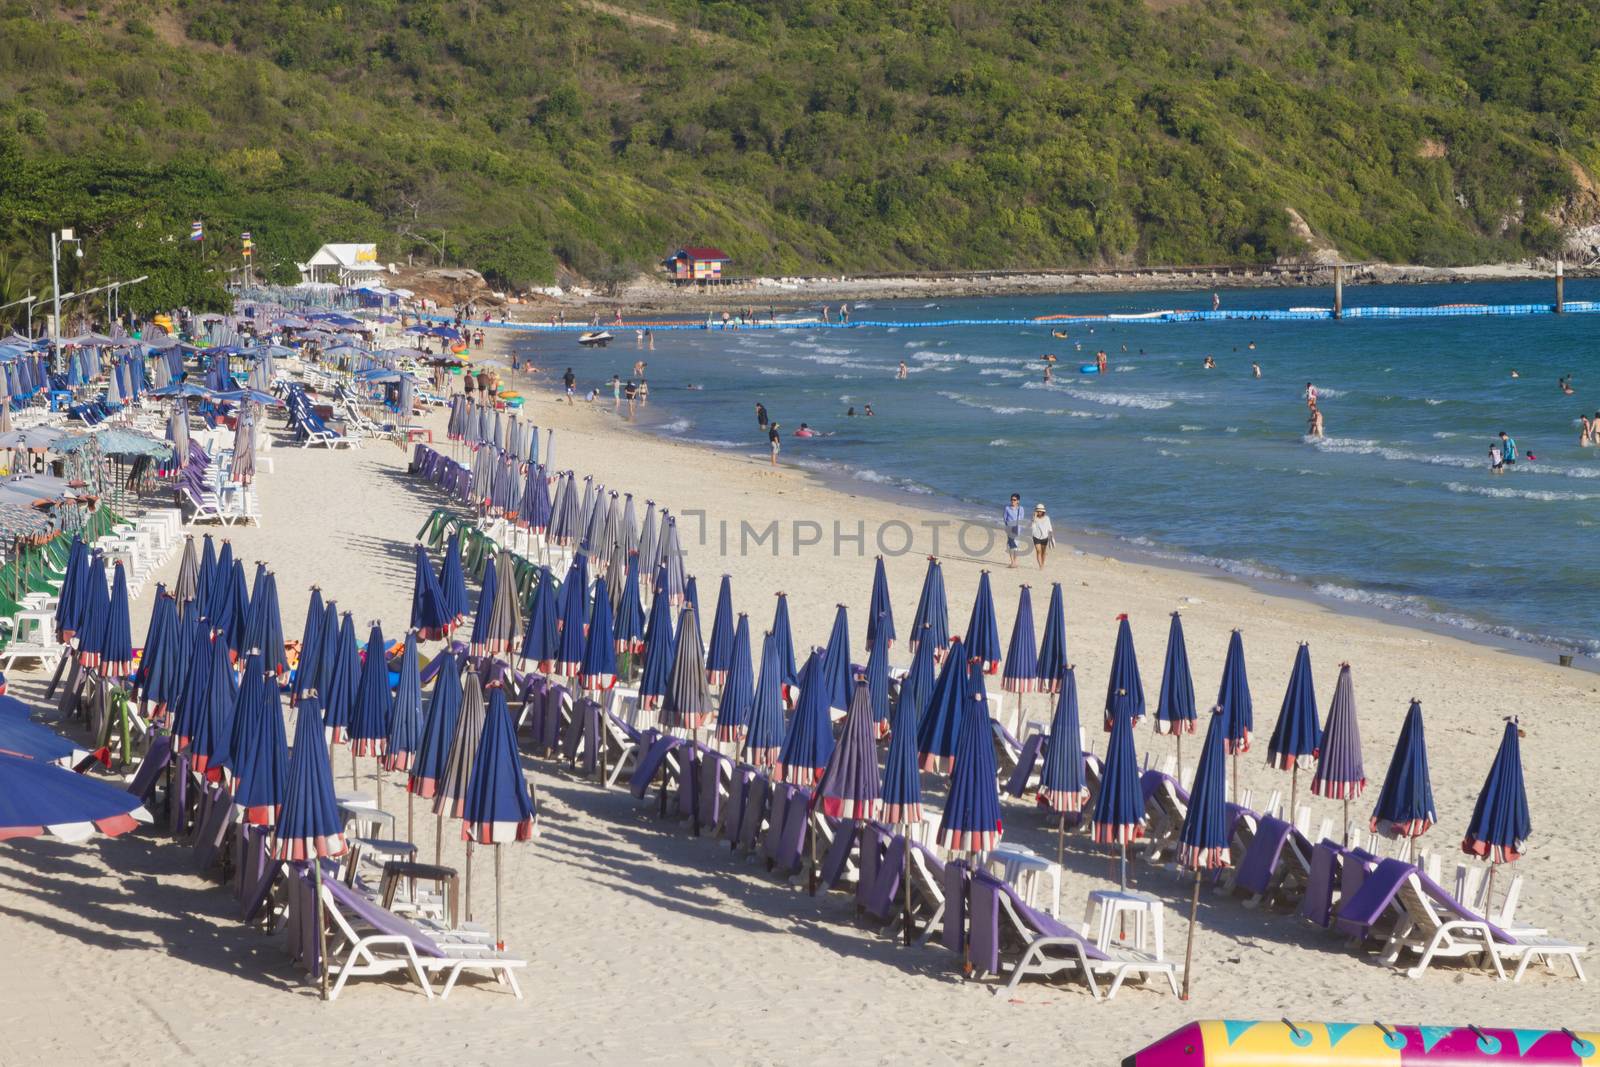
(1508, 449)
(1044, 535)
(468, 386)
(570, 380)
(1012, 518)
(775, 441)
(761, 415)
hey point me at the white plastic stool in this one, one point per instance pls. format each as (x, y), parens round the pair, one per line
(1147, 912)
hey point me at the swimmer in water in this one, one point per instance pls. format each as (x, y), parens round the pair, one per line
(1252, 346)
(1209, 364)
(1565, 385)
(1314, 424)
(1049, 374)
(1255, 370)
(867, 411)
(1100, 360)
(805, 431)
(1514, 373)
(902, 372)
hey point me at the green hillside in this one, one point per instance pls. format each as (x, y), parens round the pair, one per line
(800, 135)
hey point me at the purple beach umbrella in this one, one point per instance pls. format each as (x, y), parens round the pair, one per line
(1340, 775)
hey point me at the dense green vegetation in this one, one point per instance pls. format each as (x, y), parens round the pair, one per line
(800, 135)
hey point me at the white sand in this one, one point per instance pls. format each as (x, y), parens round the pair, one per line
(646, 943)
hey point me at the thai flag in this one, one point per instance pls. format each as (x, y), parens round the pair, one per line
(197, 231)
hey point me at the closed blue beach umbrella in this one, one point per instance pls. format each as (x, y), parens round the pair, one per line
(848, 788)
(369, 718)
(1053, 643)
(430, 617)
(916, 688)
(438, 728)
(1203, 839)
(931, 623)
(159, 678)
(659, 649)
(305, 668)
(880, 610)
(764, 738)
(541, 641)
(262, 765)
(983, 630)
(405, 717)
(738, 689)
(1124, 689)
(1233, 697)
(453, 582)
(629, 620)
(1063, 786)
(1022, 662)
(482, 635)
(570, 621)
(92, 616)
(116, 639)
(1297, 737)
(598, 671)
(719, 654)
(836, 662)
(878, 687)
(686, 705)
(809, 741)
(902, 781)
(309, 823)
(1340, 775)
(213, 727)
(941, 722)
(190, 702)
(328, 655)
(499, 805)
(1119, 807)
(971, 820)
(1175, 711)
(265, 629)
(1405, 803)
(73, 585)
(784, 638)
(345, 676)
(1500, 821)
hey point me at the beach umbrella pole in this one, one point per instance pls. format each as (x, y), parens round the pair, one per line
(1346, 827)
(499, 942)
(1188, 949)
(1294, 786)
(469, 880)
(1122, 864)
(438, 841)
(1178, 733)
(1061, 836)
(322, 930)
(905, 879)
(411, 803)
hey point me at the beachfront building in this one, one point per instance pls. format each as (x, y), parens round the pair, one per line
(345, 264)
(696, 264)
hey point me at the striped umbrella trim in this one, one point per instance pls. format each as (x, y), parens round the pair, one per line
(398, 761)
(902, 813)
(1020, 685)
(305, 849)
(784, 772)
(426, 788)
(851, 808)
(496, 833)
(1169, 727)
(731, 732)
(717, 678)
(1234, 746)
(1060, 800)
(1412, 828)
(969, 840)
(1203, 859)
(1133, 720)
(111, 826)
(369, 746)
(1322, 787)
(1494, 853)
(602, 681)
(1285, 761)
(262, 814)
(763, 758)
(687, 721)
(1117, 833)
(934, 762)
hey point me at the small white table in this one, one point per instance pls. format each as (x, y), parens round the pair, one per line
(1147, 912)
(369, 819)
(1020, 867)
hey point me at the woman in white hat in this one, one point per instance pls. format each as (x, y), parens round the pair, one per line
(1044, 534)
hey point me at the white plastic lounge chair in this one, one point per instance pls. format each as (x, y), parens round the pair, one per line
(1438, 926)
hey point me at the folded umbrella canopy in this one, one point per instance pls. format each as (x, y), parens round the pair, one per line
(1124, 689)
(809, 740)
(1340, 774)
(191, 702)
(369, 716)
(932, 621)
(1175, 710)
(1297, 737)
(93, 611)
(571, 618)
(719, 654)
(941, 722)
(309, 826)
(763, 740)
(1119, 806)
(880, 610)
(672, 556)
(983, 630)
(916, 688)
(405, 717)
(39, 798)
(327, 654)
(1233, 697)
(783, 637)
(453, 583)
(207, 574)
(541, 641)
(738, 687)
(1203, 839)
(660, 649)
(505, 618)
(971, 819)
(1021, 673)
(598, 670)
(264, 626)
(159, 677)
(686, 705)
(1500, 822)
(1405, 803)
(438, 729)
(213, 727)
(260, 757)
(499, 805)
(484, 640)
(116, 639)
(188, 572)
(877, 678)
(628, 624)
(1063, 787)
(849, 788)
(430, 617)
(343, 678)
(74, 585)
(836, 663)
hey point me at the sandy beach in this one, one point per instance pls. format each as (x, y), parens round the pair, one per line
(644, 942)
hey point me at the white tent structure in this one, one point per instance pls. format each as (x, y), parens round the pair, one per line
(345, 264)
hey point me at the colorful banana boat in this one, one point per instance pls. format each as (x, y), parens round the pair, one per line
(1240, 1043)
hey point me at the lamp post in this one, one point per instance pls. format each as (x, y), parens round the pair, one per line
(29, 301)
(56, 241)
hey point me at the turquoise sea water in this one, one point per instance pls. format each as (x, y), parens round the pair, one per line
(1395, 508)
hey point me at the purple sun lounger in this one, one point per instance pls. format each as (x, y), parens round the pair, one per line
(645, 773)
(1362, 910)
(754, 816)
(873, 838)
(957, 879)
(149, 772)
(884, 898)
(782, 794)
(1031, 752)
(1259, 867)
(731, 813)
(715, 769)
(835, 863)
(1327, 863)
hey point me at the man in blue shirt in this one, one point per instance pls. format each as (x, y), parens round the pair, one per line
(1508, 449)
(1013, 522)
